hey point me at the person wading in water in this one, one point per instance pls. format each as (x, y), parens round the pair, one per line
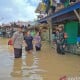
(28, 39)
(18, 42)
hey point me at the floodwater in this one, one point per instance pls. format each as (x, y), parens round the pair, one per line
(43, 65)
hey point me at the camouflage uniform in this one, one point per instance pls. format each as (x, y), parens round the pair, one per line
(60, 41)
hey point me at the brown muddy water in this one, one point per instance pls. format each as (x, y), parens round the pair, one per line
(43, 65)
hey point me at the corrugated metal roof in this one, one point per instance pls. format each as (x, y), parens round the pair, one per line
(61, 12)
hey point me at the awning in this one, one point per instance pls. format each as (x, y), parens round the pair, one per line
(65, 17)
(62, 12)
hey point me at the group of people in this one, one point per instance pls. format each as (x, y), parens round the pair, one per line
(29, 41)
(34, 42)
(59, 38)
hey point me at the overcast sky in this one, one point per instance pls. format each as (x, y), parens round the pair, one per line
(14, 10)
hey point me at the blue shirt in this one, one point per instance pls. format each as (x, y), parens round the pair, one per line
(28, 40)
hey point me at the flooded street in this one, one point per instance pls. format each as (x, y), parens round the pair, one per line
(44, 65)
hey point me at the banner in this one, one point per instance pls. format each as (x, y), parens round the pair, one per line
(43, 7)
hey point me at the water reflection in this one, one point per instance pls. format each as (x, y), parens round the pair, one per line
(27, 68)
(29, 60)
(35, 77)
(17, 68)
(31, 68)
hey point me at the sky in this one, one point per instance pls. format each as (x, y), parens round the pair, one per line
(14, 10)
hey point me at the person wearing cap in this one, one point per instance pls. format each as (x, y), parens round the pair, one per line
(17, 42)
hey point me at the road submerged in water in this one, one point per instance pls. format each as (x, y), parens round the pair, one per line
(43, 65)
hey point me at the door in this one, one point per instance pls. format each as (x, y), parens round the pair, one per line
(71, 28)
